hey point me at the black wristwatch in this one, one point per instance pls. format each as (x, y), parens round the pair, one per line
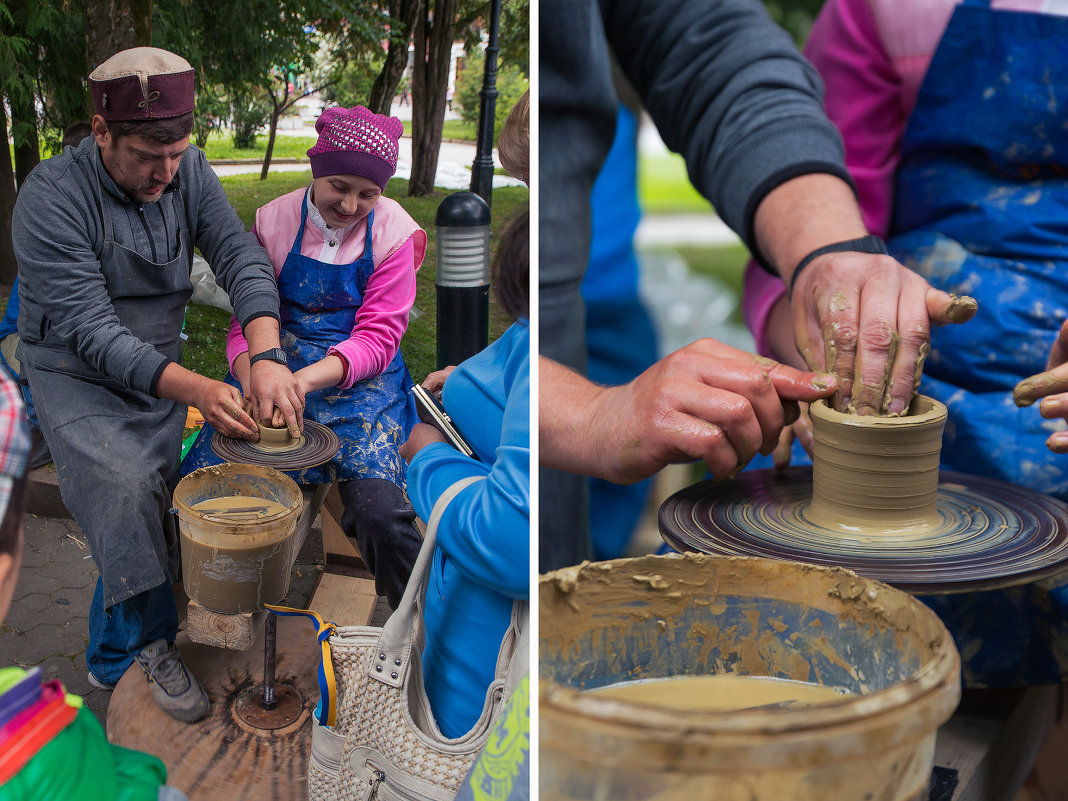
(274, 355)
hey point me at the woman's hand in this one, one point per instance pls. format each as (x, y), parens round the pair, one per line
(1051, 387)
(436, 380)
(422, 435)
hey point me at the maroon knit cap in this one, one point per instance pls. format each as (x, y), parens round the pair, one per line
(142, 83)
(356, 141)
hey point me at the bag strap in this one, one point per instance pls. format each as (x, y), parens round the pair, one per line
(513, 660)
(327, 684)
(405, 625)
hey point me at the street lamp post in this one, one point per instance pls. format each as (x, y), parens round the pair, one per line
(482, 169)
(462, 222)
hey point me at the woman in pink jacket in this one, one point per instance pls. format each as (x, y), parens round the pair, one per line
(346, 259)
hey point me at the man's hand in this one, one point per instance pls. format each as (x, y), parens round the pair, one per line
(706, 401)
(863, 317)
(1052, 388)
(422, 435)
(272, 387)
(867, 319)
(222, 406)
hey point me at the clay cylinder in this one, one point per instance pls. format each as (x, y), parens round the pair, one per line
(237, 565)
(694, 614)
(876, 475)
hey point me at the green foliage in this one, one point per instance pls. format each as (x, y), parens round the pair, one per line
(795, 16)
(249, 111)
(353, 86)
(221, 146)
(513, 38)
(665, 188)
(511, 84)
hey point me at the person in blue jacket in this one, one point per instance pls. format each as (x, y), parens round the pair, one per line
(482, 561)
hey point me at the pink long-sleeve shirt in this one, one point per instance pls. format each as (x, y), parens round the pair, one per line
(398, 246)
(873, 56)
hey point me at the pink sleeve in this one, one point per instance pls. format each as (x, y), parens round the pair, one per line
(382, 318)
(864, 99)
(235, 343)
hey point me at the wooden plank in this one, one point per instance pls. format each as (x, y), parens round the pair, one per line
(994, 739)
(338, 549)
(344, 600)
(236, 632)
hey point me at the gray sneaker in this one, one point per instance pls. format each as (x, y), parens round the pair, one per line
(100, 684)
(175, 689)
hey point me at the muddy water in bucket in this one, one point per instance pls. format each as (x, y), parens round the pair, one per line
(237, 523)
(697, 615)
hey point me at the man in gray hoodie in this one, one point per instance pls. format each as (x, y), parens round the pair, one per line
(104, 236)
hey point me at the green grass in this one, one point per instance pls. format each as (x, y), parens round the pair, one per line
(725, 263)
(458, 129)
(206, 326)
(664, 187)
(221, 146)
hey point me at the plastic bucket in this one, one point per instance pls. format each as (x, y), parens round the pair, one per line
(237, 565)
(660, 616)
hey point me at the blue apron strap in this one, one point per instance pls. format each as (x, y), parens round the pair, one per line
(298, 241)
(367, 251)
(327, 682)
(977, 3)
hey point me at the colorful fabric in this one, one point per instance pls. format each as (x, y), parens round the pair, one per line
(482, 559)
(502, 770)
(56, 750)
(356, 141)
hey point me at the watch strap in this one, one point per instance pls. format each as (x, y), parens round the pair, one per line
(865, 244)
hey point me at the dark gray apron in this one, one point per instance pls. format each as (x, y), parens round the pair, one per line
(116, 449)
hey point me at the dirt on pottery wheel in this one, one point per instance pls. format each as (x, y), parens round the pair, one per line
(878, 473)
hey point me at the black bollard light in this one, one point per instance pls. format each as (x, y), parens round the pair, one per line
(462, 223)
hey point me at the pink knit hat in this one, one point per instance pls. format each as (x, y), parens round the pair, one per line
(356, 141)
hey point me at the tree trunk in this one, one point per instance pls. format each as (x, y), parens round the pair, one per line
(430, 79)
(114, 25)
(8, 269)
(275, 115)
(402, 14)
(27, 152)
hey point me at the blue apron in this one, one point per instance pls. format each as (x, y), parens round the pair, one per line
(374, 417)
(981, 209)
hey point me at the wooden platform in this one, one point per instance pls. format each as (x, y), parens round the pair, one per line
(998, 740)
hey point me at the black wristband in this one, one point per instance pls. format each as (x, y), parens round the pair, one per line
(865, 244)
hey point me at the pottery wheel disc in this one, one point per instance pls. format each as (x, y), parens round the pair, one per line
(989, 533)
(317, 445)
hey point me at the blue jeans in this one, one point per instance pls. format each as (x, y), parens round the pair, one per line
(118, 634)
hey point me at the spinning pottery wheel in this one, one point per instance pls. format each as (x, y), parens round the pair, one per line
(316, 445)
(888, 514)
(989, 534)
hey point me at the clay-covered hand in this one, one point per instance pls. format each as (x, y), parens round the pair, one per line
(436, 380)
(867, 319)
(1051, 387)
(421, 436)
(272, 386)
(222, 406)
(707, 401)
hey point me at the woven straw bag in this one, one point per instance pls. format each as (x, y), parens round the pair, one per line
(382, 742)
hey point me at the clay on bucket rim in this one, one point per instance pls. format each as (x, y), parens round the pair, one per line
(701, 729)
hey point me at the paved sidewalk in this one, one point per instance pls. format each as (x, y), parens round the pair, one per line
(48, 624)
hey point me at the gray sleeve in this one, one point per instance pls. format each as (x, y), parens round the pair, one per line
(61, 277)
(240, 263)
(730, 92)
